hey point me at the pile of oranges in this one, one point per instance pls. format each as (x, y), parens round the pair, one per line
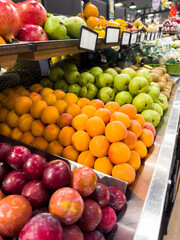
(108, 138)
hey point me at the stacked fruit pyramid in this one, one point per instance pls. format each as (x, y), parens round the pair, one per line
(46, 201)
(108, 138)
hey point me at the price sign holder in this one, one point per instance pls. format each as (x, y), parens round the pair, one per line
(87, 39)
(112, 35)
(142, 36)
(125, 38)
(45, 67)
(133, 38)
(160, 34)
(148, 37)
(152, 36)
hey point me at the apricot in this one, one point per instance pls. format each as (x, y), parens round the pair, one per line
(37, 108)
(130, 140)
(61, 106)
(147, 137)
(22, 92)
(103, 165)
(79, 122)
(27, 138)
(25, 122)
(17, 88)
(71, 98)
(36, 88)
(88, 110)
(16, 134)
(99, 146)
(2, 96)
(59, 94)
(70, 153)
(115, 131)
(51, 132)
(55, 147)
(104, 114)
(95, 126)
(135, 160)
(73, 109)
(97, 103)
(118, 153)
(125, 172)
(140, 119)
(50, 98)
(65, 136)
(35, 96)
(80, 140)
(141, 149)
(37, 128)
(49, 115)
(9, 91)
(129, 109)
(5, 129)
(122, 117)
(86, 158)
(10, 101)
(83, 102)
(12, 119)
(23, 105)
(45, 90)
(112, 107)
(3, 114)
(135, 127)
(40, 143)
(64, 119)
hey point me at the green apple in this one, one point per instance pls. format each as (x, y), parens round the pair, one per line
(130, 72)
(106, 94)
(46, 82)
(89, 91)
(162, 101)
(56, 73)
(144, 73)
(72, 77)
(151, 116)
(96, 71)
(157, 108)
(61, 84)
(74, 88)
(70, 67)
(154, 92)
(123, 97)
(138, 85)
(142, 101)
(86, 78)
(121, 82)
(111, 71)
(104, 80)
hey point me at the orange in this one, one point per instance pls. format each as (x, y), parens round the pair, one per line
(83, 102)
(50, 98)
(129, 109)
(79, 122)
(37, 108)
(70, 153)
(45, 90)
(59, 94)
(49, 115)
(35, 96)
(89, 110)
(118, 153)
(141, 149)
(10, 101)
(55, 147)
(147, 137)
(124, 172)
(9, 91)
(5, 129)
(130, 140)
(140, 119)
(71, 98)
(3, 114)
(112, 106)
(92, 22)
(51, 132)
(2, 96)
(103, 21)
(61, 106)
(23, 105)
(64, 119)
(37, 128)
(27, 138)
(86, 158)
(65, 136)
(40, 143)
(97, 103)
(81, 16)
(135, 127)
(80, 140)
(115, 131)
(12, 119)
(135, 160)
(36, 88)
(73, 109)
(95, 126)
(2, 41)
(103, 165)
(16, 134)
(91, 10)
(25, 122)
(118, 116)
(104, 114)
(99, 146)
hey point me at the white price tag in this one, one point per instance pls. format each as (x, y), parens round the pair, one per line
(112, 34)
(44, 66)
(156, 35)
(148, 36)
(87, 39)
(133, 38)
(160, 35)
(125, 38)
(152, 36)
(142, 36)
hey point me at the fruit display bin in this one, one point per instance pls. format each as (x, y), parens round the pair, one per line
(173, 69)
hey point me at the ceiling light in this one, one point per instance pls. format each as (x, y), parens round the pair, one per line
(118, 4)
(132, 6)
(139, 11)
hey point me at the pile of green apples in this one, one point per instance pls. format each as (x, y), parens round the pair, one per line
(128, 87)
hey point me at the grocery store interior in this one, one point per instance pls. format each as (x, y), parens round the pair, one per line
(89, 119)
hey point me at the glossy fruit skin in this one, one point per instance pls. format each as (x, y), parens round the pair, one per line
(43, 226)
(56, 175)
(72, 232)
(34, 166)
(117, 199)
(15, 213)
(17, 156)
(95, 235)
(4, 149)
(14, 182)
(4, 169)
(36, 193)
(101, 195)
